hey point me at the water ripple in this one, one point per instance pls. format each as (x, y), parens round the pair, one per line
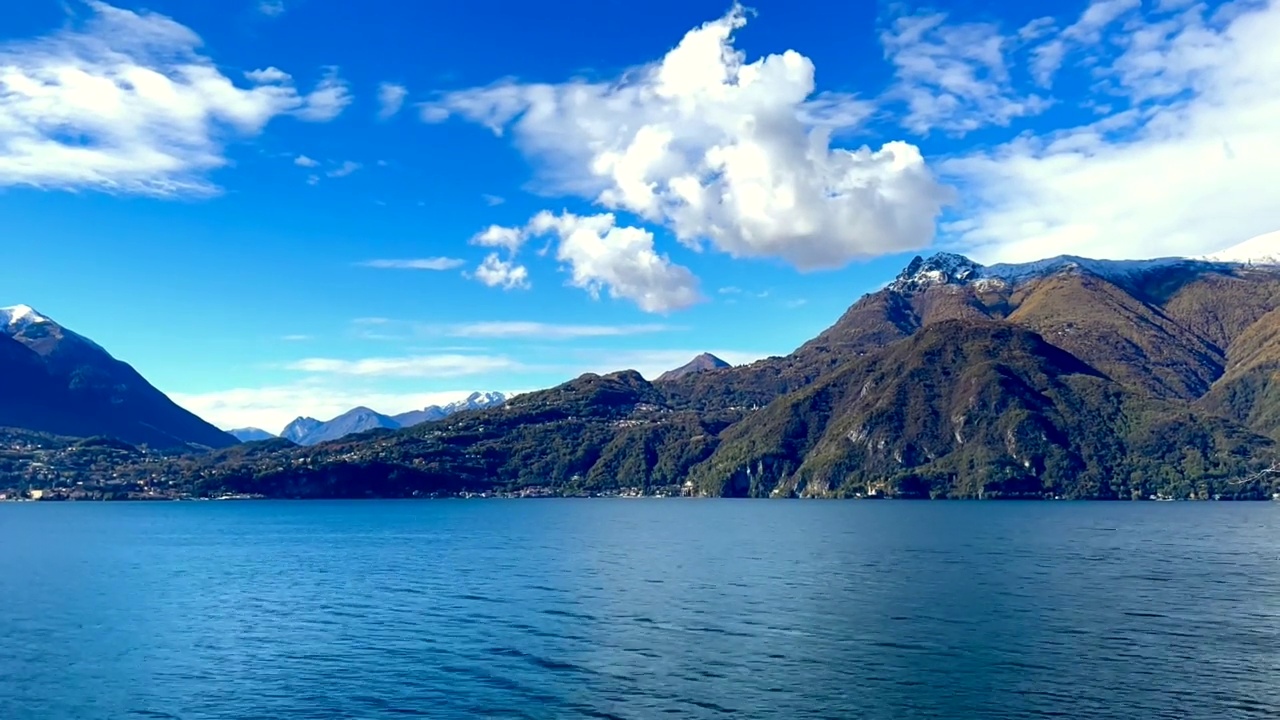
(626, 611)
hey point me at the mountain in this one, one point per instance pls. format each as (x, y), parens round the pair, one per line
(1261, 250)
(297, 430)
(250, 434)
(701, 363)
(56, 381)
(309, 431)
(1066, 377)
(355, 420)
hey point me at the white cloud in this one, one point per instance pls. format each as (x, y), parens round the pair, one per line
(602, 255)
(719, 150)
(390, 99)
(304, 161)
(296, 338)
(954, 77)
(268, 76)
(506, 274)
(343, 170)
(417, 366)
(500, 237)
(313, 179)
(271, 8)
(433, 263)
(1084, 32)
(328, 100)
(125, 102)
(1190, 167)
(493, 200)
(546, 331)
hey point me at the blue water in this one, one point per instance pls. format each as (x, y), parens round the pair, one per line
(639, 609)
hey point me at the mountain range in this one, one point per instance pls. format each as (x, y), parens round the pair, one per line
(1066, 377)
(309, 431)
(56, 381)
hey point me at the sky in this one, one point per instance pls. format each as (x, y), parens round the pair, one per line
(275, 208)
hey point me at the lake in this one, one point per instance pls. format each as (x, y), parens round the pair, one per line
(639, 609)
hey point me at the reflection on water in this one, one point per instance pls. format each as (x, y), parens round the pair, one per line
(639, 609)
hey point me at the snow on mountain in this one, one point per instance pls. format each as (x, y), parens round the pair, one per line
(475, 401)
(309, 431)
(952, 269)
(19, 317)
(1261, 250)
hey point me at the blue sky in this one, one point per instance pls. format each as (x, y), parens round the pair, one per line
(296, 206)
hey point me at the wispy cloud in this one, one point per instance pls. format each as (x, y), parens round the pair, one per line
(546, 331)
(296, 338)
(954, 77)
(126, 102)
(306, 162)
(493, 200)
(1186, 164)
(345, 169)
(416, 366)
(431, 263)
(271, 8)
(390, 99)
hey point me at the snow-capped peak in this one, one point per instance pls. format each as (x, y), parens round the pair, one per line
(1260, 250)
(940, 269)
(952, 269)
(18, 317)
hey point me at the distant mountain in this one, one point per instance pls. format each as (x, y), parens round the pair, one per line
(297, 430)
(1261, 250)
(56, 381)
(701, 363)
(431, 413)
(250, 434)
(355, 420)
(308, 431)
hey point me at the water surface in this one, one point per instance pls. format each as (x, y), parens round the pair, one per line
(639, 609)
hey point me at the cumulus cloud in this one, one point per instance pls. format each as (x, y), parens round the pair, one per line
(955, 77)
(125, 102)
(500, 237)
(1187, 167)
(719, 150)
(506, 274)
(390, 99)
(433, 263)
(602, 256)
(306, 162)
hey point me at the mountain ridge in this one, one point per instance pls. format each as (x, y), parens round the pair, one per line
(1058, 378)
(58, 381)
